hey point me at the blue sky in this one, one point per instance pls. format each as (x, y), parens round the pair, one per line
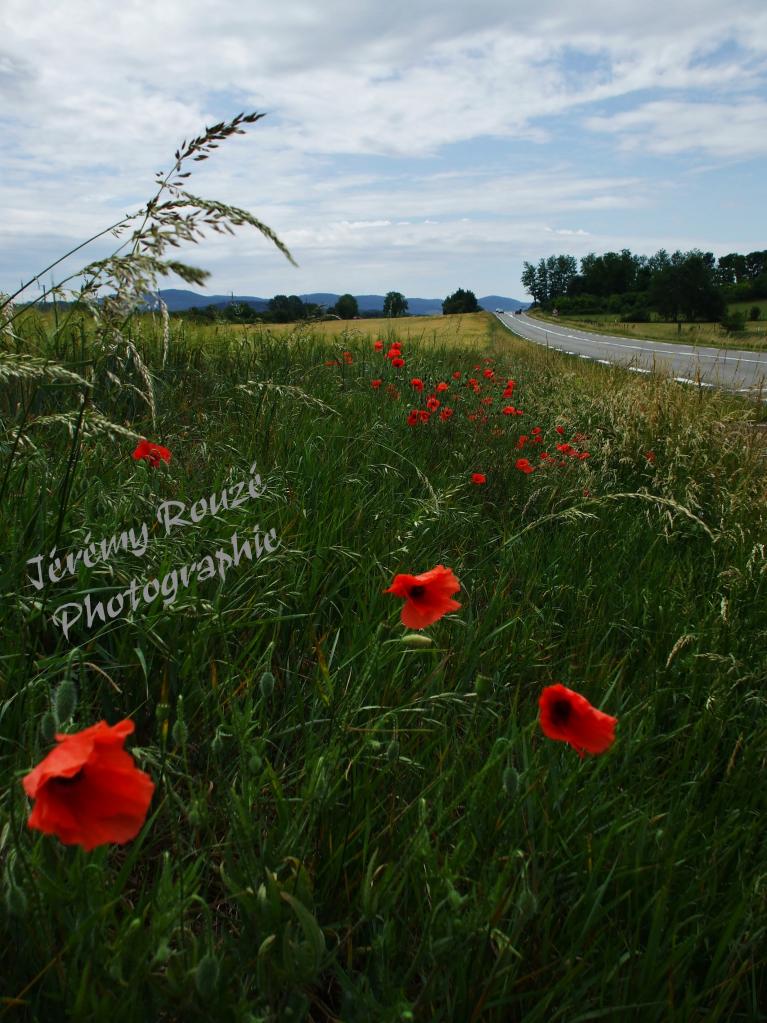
(419, 146)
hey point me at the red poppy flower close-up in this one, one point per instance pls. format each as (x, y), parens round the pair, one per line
(560, 430)
(569, 717)
(442, 386)
(152, 453)
(457, 375)
(88, 790)
(478, 478)
(523, 465)
(378, 346)
(427, 596)
(432, 404)
(375, 384)
(398, 363)
(445, 414)
(417, 384)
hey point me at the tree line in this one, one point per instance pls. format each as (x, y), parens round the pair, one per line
(292, 309)
(691, 285)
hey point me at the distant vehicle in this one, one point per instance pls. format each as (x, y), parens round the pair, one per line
(499, 311)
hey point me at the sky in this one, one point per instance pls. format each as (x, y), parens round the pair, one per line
(417, 147)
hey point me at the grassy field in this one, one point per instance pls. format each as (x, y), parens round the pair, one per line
(467, 331)
(346, 826)
(753, 338)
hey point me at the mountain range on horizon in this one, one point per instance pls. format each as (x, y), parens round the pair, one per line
(179, 299)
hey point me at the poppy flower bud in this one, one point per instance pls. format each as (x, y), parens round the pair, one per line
(64, 701)
(48, 726)
(511, 781)
(417, 642)
(266, 685)
(527, 903)
(15, 900)
(483, 686)
(180, 732)
(206, 976)
(455, 898)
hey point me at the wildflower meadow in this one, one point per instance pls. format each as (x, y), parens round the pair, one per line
(360, 676)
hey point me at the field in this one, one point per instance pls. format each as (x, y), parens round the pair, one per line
(467, 331)
(753, 338)
(353, 820)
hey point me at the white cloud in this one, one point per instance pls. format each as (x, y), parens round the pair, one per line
(722, 129)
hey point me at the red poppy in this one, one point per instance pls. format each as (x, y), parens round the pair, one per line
(487, 401)
(457, 375)
(521, 440)
(424, 416)
(569, 717)
(375, 384)
(433, 404)
(478, 478)
(560, 430)
(445, 414)
(348, 358)
(88, 790)
(566, 449)
(650, 456)
(442, 387)
(582, 455)
(523, 465)
(488, 373)
(509, 410)
(417, 383)
(152, 453)
(397, 363)
(536, 429)
(413, 417)
(378, 346)
(427, 596)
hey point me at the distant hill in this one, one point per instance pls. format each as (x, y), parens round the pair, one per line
(177, 300)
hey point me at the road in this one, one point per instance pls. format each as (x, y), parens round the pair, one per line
(739, 371)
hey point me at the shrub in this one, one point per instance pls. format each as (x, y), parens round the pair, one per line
(754, 312)
(734, 321)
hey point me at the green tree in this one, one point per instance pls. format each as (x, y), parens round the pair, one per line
(685, 287)
(346, 307)
(460, 302)
(395, 304)
(286, 308)
(529, 282)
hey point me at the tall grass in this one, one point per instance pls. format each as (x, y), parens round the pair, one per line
(345, 827)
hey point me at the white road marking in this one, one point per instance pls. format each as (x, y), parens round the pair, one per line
(676, 350)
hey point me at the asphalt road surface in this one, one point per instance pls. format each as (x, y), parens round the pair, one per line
(742, 372)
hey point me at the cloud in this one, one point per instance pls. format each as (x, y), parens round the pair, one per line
(388, 126)
(728, 130)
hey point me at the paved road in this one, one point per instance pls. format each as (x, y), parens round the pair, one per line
(743, 372)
